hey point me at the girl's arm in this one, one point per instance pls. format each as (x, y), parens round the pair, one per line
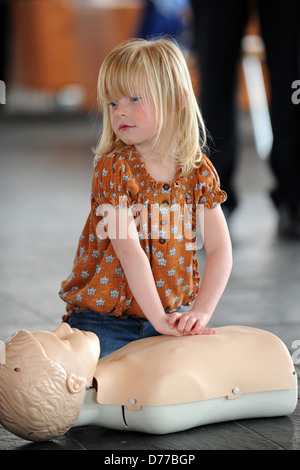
(124, 237)
(217, 270)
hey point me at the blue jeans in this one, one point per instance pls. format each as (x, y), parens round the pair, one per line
(113, 332)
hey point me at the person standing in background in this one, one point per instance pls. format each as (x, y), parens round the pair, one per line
(218, 30)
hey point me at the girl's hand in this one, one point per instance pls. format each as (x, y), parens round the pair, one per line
(163, 327)
(191, 322)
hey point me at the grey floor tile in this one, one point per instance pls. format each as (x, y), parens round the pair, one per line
(220, 436)
(11, 442)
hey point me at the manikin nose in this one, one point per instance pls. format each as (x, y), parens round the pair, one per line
(63, 330)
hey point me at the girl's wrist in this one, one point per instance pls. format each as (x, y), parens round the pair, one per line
(203, 309)
(158, 319)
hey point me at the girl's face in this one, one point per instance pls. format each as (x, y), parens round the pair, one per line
(134, 123)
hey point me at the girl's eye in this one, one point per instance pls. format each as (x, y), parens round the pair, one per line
(134, 99)
(113, 104)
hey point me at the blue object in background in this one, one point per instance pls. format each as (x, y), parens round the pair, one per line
(163, 17)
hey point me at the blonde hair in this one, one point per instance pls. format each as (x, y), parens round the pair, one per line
(157, 70)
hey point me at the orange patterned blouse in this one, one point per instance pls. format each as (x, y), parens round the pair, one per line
(165, 216)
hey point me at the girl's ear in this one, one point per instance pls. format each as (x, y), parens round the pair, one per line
(184, 98)
(75, 383)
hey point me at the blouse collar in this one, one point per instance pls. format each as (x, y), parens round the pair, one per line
(140, 167)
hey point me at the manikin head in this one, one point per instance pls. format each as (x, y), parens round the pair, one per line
(43, 380)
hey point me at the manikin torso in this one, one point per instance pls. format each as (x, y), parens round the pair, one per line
(167, 384)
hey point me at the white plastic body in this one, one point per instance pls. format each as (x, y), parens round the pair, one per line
(173, 418)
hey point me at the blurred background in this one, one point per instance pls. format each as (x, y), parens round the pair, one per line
(51, 51)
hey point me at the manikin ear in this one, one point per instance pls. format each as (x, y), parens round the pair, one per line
(75, 383)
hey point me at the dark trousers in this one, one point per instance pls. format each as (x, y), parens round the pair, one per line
(219, 26)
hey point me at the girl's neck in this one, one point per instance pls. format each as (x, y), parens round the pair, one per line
(160, 169)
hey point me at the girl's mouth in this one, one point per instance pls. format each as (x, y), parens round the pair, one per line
(125, 127)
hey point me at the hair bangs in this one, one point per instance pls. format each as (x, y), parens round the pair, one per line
(122, 75)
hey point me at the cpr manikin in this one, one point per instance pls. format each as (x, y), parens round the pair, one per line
(52, 381)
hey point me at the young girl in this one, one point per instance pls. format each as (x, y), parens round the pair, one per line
(135, 270)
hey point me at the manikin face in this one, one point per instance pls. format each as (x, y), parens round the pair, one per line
(75, 350)
(133, 123)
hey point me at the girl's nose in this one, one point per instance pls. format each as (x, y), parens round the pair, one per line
(122, 112)
(122, 109)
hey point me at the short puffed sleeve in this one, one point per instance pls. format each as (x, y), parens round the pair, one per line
(207, 188)
(113, 181)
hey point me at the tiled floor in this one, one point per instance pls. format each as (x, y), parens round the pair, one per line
(46, 167)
